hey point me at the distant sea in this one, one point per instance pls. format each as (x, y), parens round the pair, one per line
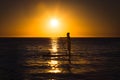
(47, 59)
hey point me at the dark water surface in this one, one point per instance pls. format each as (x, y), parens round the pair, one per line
(46, 59)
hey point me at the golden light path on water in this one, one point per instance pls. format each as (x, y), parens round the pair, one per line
(54, 45)
(54, 63)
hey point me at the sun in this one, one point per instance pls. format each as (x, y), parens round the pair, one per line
(54, 23)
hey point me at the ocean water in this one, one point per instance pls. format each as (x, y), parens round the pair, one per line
(47, 59)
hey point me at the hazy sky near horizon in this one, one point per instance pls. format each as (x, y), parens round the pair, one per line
(82, 18)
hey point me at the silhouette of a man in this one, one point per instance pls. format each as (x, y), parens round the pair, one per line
(68, 43)
(69, 47)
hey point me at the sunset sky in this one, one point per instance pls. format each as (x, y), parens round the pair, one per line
(82, 18)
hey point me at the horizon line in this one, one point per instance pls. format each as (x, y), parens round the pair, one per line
(58, 37)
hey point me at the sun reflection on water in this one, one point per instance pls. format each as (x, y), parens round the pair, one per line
(54, 45)
(54, 66)
(53, 62)
(54, 71)
(54, 49)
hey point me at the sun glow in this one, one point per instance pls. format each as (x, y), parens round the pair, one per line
(54, 23)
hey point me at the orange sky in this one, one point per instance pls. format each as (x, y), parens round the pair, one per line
(80, 20)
